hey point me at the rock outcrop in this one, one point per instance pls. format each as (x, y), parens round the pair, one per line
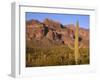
(55, 32)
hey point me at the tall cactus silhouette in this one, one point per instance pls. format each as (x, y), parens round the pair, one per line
(76, 44)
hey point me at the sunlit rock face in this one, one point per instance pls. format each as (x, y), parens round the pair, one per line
(54, 31)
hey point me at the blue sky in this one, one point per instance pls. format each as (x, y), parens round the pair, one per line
(64, 19)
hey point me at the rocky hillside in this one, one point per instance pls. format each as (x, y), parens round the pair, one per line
(49, 32)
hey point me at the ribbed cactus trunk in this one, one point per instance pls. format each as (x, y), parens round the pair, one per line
(76, 43)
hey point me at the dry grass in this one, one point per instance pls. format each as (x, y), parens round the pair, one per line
(53, 56)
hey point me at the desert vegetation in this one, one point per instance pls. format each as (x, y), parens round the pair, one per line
(58, 55)
(52, 44)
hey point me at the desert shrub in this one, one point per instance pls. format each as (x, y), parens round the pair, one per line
(56, 55)
(84, 55)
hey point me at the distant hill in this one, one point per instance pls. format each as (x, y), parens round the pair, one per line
(50, 32)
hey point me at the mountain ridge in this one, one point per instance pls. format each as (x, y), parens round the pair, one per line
(54, 32)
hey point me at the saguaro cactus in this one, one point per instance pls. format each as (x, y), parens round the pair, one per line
(76, 44)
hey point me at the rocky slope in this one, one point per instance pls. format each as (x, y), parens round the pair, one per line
(49, 32)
